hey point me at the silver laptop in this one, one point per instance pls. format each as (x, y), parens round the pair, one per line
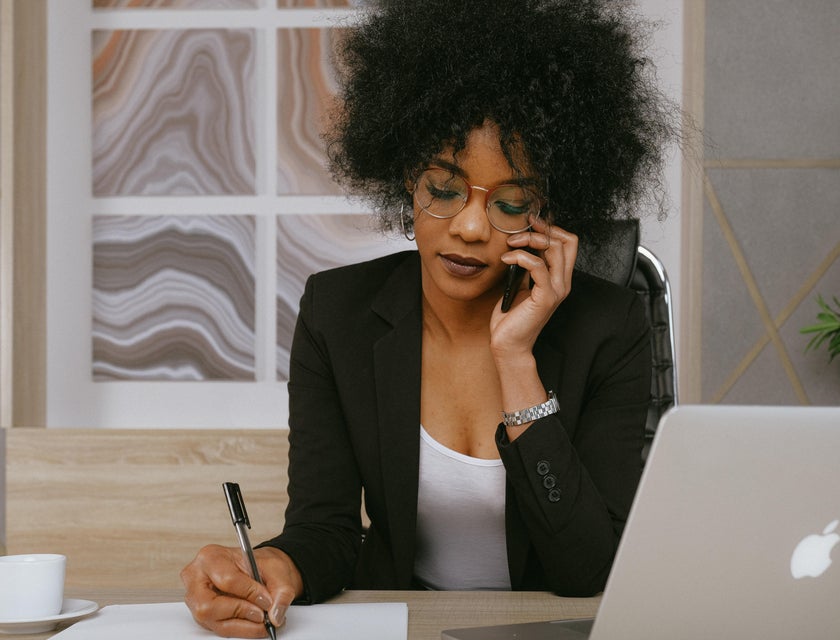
(733, 534)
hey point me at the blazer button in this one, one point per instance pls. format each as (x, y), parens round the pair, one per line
(549, 481)
(543, 467)
(554, 495)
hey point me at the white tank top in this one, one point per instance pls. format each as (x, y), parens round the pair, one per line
(460, 520)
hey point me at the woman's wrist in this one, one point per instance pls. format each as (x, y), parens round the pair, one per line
(514, 364)
(521, 386)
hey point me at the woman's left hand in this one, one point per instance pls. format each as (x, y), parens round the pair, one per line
(551, 273)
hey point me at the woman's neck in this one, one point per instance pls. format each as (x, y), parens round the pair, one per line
(455, 320)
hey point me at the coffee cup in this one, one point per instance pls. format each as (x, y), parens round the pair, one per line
(31, 586)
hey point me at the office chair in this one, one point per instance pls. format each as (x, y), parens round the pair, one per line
(624, 261)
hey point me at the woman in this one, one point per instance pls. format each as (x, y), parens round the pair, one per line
(496, 449)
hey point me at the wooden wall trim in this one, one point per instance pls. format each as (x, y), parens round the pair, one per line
(6, 208)
(3, 491)
(29, 328)
(133, 506)
(691, 282)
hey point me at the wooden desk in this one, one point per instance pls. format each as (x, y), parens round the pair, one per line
(429, 612)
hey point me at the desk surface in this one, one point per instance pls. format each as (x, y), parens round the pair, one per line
(429, 612)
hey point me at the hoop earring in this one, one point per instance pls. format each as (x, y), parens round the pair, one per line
(402, 225)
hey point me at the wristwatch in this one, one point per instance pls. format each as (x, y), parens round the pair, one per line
(518, 418)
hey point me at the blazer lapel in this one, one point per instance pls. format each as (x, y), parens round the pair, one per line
(397, 378)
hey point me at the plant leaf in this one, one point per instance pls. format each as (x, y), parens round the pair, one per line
(827, 328)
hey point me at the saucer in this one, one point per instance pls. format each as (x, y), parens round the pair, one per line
(71, 611)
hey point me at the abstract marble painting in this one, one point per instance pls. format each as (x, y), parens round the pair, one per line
(319, 3)
(173, 112)
(175, 4)
(310, 243)
(305, 88)
(173, 297)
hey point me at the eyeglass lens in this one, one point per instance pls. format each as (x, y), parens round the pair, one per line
(443, 194)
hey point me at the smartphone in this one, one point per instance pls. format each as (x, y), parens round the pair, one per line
(513, 278)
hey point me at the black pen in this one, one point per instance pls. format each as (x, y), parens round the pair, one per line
(240, 520)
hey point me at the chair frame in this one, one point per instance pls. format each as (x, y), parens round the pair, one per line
(660, 270)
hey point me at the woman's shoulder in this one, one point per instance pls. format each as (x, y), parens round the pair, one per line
(598, 304)
(358, 285)
(587, 288)
(374, 271)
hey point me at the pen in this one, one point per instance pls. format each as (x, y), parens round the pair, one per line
(240, 520)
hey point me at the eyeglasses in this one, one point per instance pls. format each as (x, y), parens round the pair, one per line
(443, 194)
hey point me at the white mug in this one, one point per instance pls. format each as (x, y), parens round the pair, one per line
(31, 586)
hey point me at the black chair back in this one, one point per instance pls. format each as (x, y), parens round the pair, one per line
(624, 261)
(615, 259)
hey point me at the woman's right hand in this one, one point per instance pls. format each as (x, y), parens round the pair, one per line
(223, 597)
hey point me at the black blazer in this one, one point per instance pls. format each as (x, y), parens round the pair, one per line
(354, 405)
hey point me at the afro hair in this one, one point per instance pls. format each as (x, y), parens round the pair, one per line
(565, 81)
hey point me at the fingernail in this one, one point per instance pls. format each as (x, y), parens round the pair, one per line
(263, 603)
(255, 615)
(279, 616)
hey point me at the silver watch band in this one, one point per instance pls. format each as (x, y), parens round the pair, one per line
(518, 418)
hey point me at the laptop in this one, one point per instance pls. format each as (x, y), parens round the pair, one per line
(734, 533)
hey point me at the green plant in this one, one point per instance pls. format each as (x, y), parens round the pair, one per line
(826, 329)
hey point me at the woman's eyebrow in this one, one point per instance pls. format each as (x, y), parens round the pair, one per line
(449, 166)
(522, 181)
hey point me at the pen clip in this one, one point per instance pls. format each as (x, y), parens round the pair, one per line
(235, 504)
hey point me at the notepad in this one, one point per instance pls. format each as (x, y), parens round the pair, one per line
(352, 621)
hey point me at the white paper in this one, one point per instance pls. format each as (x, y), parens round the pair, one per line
(376, 621)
